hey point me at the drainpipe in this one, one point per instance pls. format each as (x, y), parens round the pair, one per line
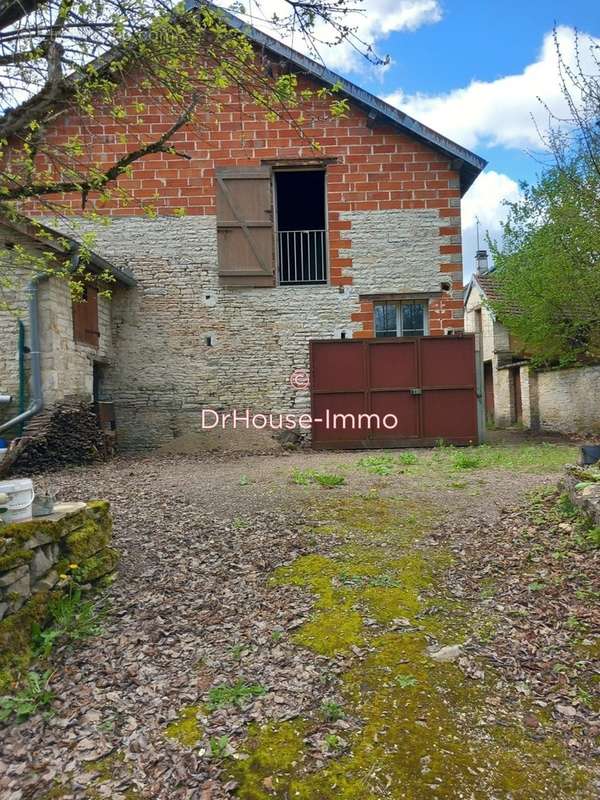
(37, 398)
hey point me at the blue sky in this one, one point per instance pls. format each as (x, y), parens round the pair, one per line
(472, 71)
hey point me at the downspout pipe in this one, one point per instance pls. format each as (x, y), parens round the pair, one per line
(37, 396)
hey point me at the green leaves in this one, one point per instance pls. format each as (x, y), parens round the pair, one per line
(235, 695)
(548, 266)
(33, 696)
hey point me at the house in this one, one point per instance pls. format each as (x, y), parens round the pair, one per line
(517, 394)
(501, 355)
(68, 343)
(278, 245)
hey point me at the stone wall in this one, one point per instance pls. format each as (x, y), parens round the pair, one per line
(67, 365)
(568, 400)
(34, 555)
(183, 343)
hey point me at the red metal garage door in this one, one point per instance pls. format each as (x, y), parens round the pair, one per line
(408, 392)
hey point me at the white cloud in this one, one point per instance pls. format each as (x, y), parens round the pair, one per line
(484, 201)
(374, 21)
(500, 112)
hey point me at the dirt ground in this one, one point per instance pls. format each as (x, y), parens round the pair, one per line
(328, 625)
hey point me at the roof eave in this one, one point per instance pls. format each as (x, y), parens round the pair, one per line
(467, 163)
(97, 263)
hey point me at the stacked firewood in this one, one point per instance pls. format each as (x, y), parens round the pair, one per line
(57, 437)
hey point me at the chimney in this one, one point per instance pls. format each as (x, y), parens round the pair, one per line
(481, 262)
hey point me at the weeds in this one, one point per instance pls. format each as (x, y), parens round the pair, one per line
(333, 742)
(379, 465)
(34, 696)
(72, 618)
(329, 481)
(236, 695)
(406, 681)
(238, 651)
(219, 746)
(332, 711)
(407, 459)
(463, 459)
(324, 479)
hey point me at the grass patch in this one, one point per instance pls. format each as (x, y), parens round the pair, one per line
(327, 480)
(378, 465)
(236, 695)
(407, 459)
(464, 459)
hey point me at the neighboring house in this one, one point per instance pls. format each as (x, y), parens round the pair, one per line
(75, 338)
(553, 400)
(278, 246)
(501, 355)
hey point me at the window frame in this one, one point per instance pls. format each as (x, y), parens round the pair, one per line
(275, 169)
(399, 320)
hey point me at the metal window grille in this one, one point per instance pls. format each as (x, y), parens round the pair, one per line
(302, 257)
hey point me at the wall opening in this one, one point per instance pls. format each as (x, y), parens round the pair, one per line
(301, 226)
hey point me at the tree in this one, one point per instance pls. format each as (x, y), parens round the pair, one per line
(64, 58)
(548, 260)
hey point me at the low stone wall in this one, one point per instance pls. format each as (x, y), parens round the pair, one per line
(567, 400)
(583, 487)
(33, 557)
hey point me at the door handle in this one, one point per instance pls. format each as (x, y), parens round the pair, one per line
(416, 392)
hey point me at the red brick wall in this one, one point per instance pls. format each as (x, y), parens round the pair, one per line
(378, 169)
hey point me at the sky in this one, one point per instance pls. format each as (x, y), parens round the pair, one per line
(475, 72)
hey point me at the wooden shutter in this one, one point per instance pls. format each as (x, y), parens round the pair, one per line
(245, 227)
(85, 318)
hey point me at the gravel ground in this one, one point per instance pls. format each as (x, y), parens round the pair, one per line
(199, 540)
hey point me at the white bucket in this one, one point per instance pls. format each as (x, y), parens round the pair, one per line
(20, 493)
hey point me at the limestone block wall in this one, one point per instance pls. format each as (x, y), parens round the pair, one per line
(183, 343)
(67, 366)
(33, 557)
(34, 554)
(568, 400)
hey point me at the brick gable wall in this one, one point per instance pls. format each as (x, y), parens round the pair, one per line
(378, 169)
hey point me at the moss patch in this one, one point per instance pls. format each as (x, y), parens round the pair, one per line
(15, 638)
(427, 730)
(98, 565)
(88, 539)
(186, 729)
(15, 558)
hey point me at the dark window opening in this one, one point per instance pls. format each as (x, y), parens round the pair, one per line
(301, 227)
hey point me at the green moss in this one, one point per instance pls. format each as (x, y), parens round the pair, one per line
(105, 770)
(87, 540)
(15, 637)
(428, 735)
(104, 767)
(99, 565)
(186, 729)
(53, 529)
(15, 558)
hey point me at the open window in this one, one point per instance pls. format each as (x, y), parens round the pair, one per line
(406, 318)
(85, 318)
(301, 226)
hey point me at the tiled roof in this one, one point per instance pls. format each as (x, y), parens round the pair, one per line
(489, 285)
